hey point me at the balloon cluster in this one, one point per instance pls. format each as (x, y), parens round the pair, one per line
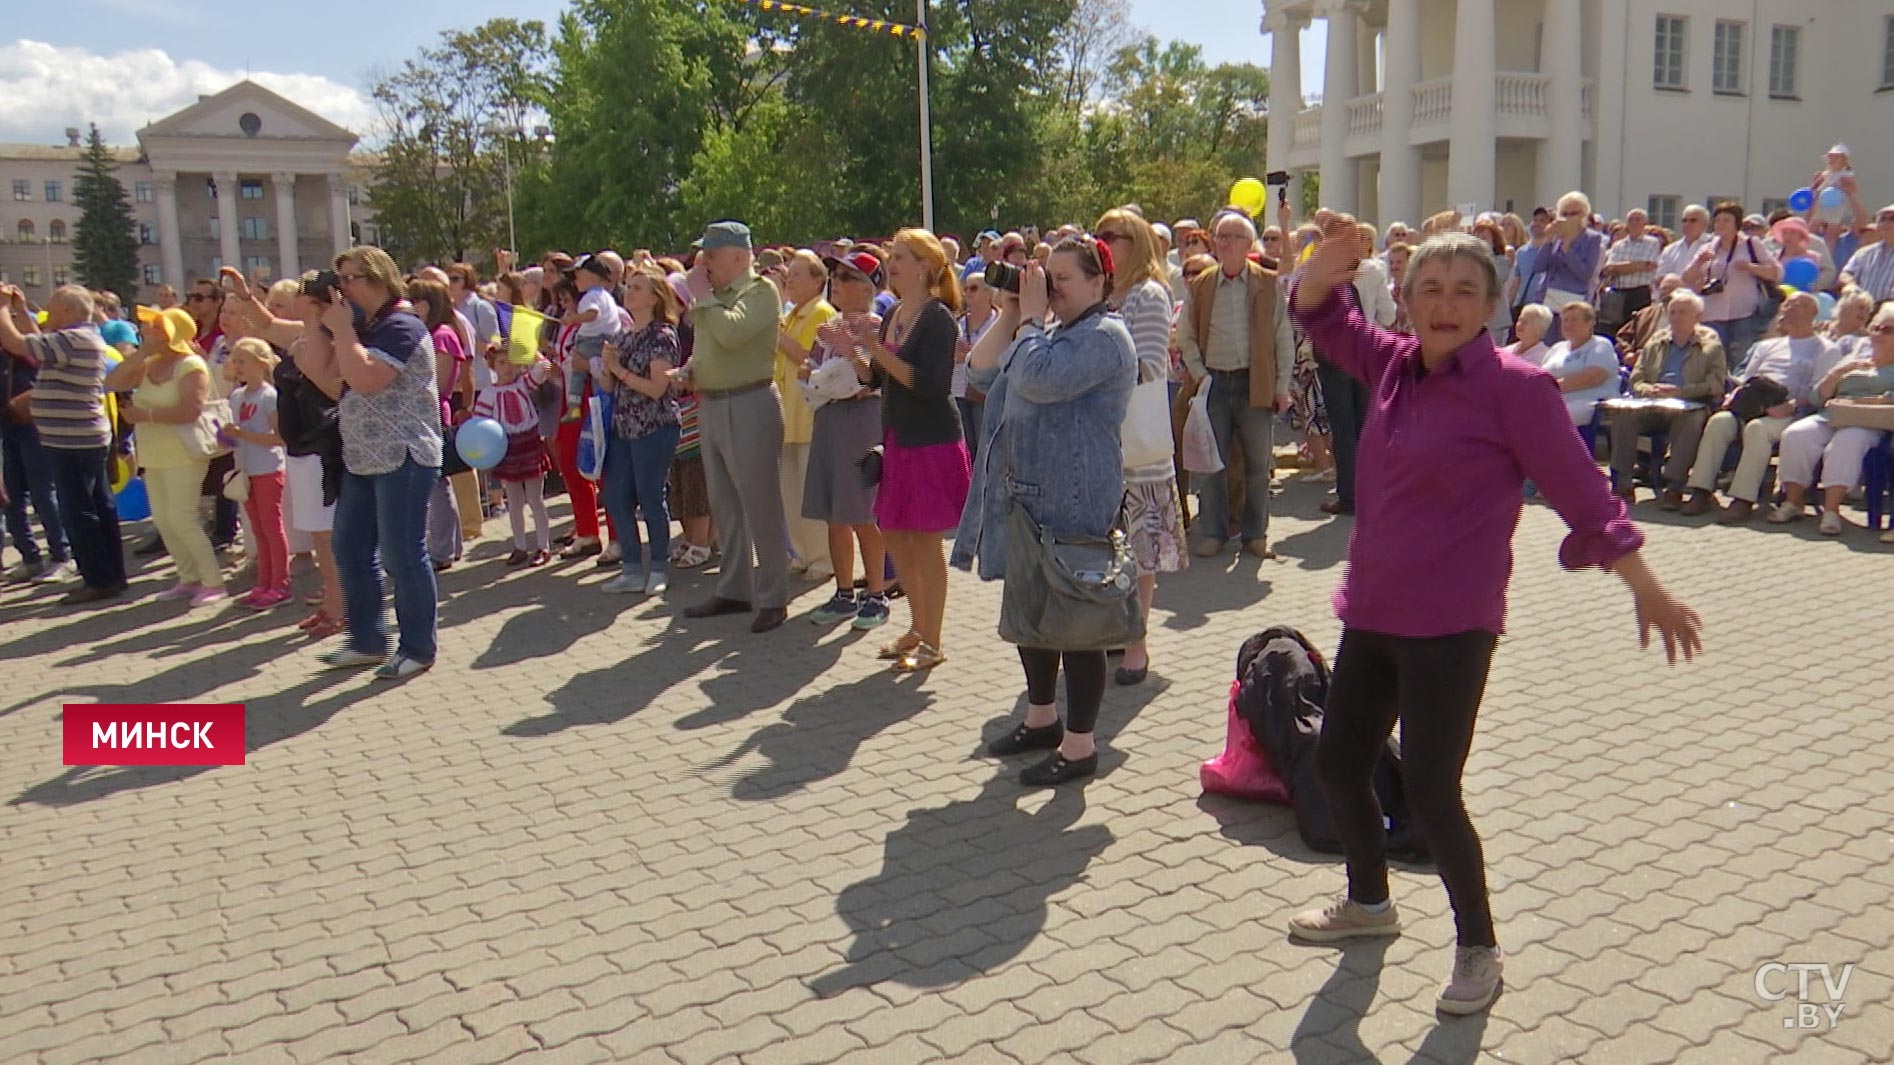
(1831, 199)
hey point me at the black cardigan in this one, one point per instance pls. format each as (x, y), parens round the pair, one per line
(923, 415)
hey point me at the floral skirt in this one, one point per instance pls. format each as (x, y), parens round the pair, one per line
(526, 457)
(1156, 526)
(1310, 412)
(689, 495)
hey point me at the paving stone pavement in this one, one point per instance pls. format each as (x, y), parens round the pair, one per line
(599, 833)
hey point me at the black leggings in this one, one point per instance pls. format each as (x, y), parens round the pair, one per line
(1084, 683)
(1433, 687)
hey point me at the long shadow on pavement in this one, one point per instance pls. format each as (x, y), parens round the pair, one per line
(817, 737)
(1330, 1030)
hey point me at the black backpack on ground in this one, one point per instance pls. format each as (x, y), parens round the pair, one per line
(1283, 684)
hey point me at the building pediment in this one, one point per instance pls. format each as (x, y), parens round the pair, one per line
(244, 119)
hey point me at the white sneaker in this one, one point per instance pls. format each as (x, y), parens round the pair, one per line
(1344, 919)
(612, 555)
(56, 572)
(623, 584)
(1786, 512)
(1475, 981)
(1831, 523)
(655, 584)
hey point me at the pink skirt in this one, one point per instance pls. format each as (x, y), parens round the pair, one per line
(923, 489)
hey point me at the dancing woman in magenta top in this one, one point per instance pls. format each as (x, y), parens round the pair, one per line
(1454, 429)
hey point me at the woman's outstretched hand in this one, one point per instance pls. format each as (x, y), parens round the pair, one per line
(1333, 263)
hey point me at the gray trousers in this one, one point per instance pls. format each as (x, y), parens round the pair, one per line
(1250, 431)
(443, 523)
(742, 439)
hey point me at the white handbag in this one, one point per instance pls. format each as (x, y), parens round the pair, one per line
(1146, 433)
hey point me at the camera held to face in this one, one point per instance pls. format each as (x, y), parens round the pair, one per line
(322, 287)
(1004, 277)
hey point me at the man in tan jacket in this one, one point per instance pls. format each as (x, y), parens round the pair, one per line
(1683, 361)
(1236, 340)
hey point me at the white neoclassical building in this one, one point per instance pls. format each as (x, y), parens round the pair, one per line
(244, 177)
(1504, 104)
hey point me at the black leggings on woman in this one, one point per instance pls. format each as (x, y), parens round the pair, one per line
(1084, 683)
(1433, 687)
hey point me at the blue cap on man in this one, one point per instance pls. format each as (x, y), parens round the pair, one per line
(726, 234)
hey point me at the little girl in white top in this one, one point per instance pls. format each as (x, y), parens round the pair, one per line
(260, 461)
(522, 473)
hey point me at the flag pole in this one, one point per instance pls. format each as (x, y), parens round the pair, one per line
(923, 54)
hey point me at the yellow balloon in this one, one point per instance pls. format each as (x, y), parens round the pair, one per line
(1249, 194)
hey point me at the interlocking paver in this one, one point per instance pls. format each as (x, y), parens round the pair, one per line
(651, 841)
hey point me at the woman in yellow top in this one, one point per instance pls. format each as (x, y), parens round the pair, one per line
(803, 285)
(169, 383)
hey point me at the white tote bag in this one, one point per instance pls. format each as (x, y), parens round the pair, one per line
(1201, 454)
(1146, 433)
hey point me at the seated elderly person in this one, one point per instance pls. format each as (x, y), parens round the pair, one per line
(1789, 361)
(1530, 328)
(1683, 361)
(1867, 378)
(1648, 321)
(1585, 363)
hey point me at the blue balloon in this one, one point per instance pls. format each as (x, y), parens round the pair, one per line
(1825, 306)
(1833, 199)
(1801, 273)
(1801, 199)
(481, 443)
(133, 502)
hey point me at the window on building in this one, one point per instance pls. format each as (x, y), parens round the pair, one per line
(62, 275)
(141, 191)
(54, 191)
(152, 274)
(216, 263)
(1667, 67)
(25, 229)
(251, 189)
(147, 233)
(354, 195)
(5, 277)
(1663, 210)
(371, 234)
(216, 230)
(1726, 58)
(22, 189)
(1712, 201)
(1772, 205)
(256, 267)
(1887, 56)
(29, 275)
(253, 228)
(56, 231)
(1785, 52)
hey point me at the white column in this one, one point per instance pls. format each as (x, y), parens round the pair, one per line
(170, 240)
(1561, 156)
(1400, 160)
(288, 264)
(227, 193)
(1285, 92)
(1471, 150)
(339, 211)
(1339, 85)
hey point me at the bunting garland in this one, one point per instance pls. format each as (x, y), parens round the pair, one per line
(896, 29)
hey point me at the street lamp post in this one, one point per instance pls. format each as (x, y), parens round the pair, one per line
(925, 52)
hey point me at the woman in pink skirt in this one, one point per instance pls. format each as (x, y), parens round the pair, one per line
(925, 471)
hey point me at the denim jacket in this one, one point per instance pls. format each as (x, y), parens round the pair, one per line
(1050, 437)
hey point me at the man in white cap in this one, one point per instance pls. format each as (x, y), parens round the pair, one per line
(740, 417)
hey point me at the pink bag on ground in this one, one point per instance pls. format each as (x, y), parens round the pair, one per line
(1242, 770)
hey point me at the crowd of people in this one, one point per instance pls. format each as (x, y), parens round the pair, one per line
(836, 413)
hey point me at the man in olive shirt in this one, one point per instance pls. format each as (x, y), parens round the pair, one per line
(735, 315)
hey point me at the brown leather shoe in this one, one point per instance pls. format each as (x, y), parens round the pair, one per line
(1737, 512)
(1336, 506)
(1671, 499)
(717, 606)
(1259, 547)
(1701, 502)
(768, 618)
(1628, 494)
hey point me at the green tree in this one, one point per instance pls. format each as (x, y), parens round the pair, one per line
(455, 115)
(105, 239)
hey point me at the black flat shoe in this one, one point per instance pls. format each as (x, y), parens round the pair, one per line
(717, 606)
(1058, 770)
(1022, 738)
(1127, 677)
(518, 557)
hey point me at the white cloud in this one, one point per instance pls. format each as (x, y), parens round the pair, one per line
(49, 87)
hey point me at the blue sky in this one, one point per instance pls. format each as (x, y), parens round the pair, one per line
(122, 63)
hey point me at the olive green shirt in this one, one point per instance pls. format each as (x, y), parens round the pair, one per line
(735, 341)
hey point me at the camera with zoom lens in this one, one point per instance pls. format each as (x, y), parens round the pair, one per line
(322, 287)
(1004, 277)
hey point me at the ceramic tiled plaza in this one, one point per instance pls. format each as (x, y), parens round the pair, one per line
(599, 833)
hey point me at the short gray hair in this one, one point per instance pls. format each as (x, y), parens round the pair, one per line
(1235, 218)
(1536, 313)
(1687, 296)
(78, 297)
(1449, 246)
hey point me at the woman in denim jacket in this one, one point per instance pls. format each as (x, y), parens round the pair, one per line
(1055, 403)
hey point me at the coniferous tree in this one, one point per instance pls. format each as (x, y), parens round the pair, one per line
(105, 241)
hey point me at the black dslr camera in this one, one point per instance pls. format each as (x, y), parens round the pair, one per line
(1004, 276)
(322, 287)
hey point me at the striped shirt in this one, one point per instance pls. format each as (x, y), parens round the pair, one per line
(1873, 269)
(68, 402)
(1644, 249)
